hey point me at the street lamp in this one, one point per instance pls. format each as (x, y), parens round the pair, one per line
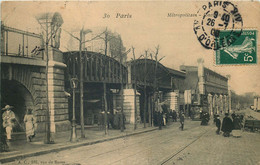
(74, 85)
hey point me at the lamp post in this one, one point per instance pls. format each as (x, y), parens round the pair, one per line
(74, 85)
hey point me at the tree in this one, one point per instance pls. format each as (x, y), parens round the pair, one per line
(50, 24)
(82, 42)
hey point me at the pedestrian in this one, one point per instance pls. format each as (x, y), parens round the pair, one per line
(204, 118)
(227, 125)
(218, 124)
(174, 116)
(8, 123)
(241, 119)
(164, 119)
(237, 127)
(110, 122)
(116, 120)
(182, 120)
(101, 120)
(3, 143)
(165, 112)
(160, 114)
(160, 119)
(29, 121)
(122, 120)
(233, 115)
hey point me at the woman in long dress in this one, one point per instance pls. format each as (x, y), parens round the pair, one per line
(29, 125)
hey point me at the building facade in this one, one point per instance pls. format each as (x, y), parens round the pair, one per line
(205, 90)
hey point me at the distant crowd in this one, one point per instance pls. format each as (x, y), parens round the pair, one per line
(229, 125)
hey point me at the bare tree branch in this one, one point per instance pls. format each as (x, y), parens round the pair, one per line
(161, 58)
(72, 35)
(40, 24)
(98, 36)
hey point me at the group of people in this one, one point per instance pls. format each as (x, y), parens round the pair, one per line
(9, 121)
(113, 120)
(204, 118)
(162, 115)
(229, 125)
(173, 114)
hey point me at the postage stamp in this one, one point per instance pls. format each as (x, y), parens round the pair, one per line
(242, 51)
(214, 16)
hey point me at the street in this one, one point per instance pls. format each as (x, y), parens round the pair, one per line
(195, 145)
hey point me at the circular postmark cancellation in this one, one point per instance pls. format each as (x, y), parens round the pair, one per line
(215, 17)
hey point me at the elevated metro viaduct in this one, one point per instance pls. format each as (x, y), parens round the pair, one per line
(99, 69)
(23, 80)
(152, 80)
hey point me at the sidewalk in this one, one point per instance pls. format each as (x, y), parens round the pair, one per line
(21, 149)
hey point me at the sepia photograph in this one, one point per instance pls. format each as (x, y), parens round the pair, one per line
(130, 82)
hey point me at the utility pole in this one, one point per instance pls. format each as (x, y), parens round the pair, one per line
(134, 68)
(145, 97)
(81, 84)
(47, 126)
(46, 21)
(121, 90)
(155, 75)
(105, 86)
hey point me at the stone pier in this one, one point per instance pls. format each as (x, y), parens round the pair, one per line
(128, 105)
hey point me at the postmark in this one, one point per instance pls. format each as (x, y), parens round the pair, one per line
(242, 51)
(213, 17)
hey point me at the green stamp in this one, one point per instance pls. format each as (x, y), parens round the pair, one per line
(242, 49)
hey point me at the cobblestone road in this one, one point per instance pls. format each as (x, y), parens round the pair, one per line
(196, 145)
(212, 149)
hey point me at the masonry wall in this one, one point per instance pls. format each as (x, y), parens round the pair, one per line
(129, 107)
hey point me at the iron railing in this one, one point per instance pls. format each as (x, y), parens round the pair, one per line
(15, 42)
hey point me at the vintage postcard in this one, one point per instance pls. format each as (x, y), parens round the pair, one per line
(130, 82)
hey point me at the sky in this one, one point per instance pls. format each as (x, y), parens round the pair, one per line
(148, 27)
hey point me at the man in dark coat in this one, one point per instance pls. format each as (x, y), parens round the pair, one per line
(164, 114)
(233, 115)
(218, 124)
(204, 118)
(160, 119)
(174, 116)
(160, 114)
(227, 126)
(182, 120)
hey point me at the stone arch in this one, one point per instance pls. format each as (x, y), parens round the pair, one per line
(23, 75)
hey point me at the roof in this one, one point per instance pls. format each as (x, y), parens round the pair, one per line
(185, 68)
(176, 72)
